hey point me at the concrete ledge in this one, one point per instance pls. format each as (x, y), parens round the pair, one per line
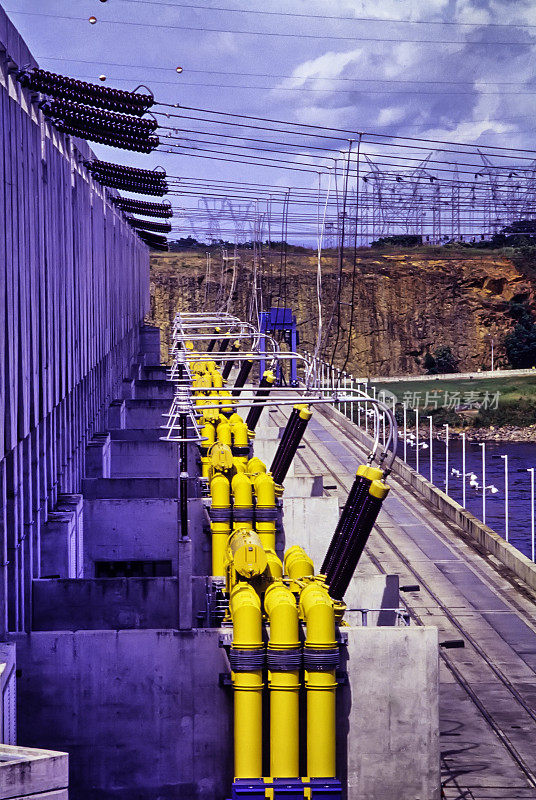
(31, 773)
(154, 389)
(135, 434)
(304, 486)
(130, 488)
(143, 458)
(145, 413)
(506, 553)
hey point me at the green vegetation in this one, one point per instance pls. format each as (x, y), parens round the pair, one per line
(440, 362)
(480, 402)
(520, 343)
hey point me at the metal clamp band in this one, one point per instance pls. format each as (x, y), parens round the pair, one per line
(219, 514)
(246, 660)
(320, 660)
(265, 514)
(242, 514)
(240, 451)
(284, 660)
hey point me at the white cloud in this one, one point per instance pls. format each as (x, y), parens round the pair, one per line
(390, 114)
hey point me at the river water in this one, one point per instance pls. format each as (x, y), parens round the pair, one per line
(521, 456)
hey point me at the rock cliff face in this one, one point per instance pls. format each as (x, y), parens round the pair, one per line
(400, 306)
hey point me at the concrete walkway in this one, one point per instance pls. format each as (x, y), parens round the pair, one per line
(488, 687)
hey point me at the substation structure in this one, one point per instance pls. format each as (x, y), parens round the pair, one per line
(180, 613)
(203, 651)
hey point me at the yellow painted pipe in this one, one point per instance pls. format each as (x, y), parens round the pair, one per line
(284, 684)
(242, 491)
(220, 492)
(226, 407)
(208, 432)
(255, 465)
(217, 380)
(223, 433)
(239, 431)
(275, 566)
(298, 565)
(245, 611)
(316, 608)
(265, 495)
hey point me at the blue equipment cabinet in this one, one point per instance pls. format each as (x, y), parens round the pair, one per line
(280, 319)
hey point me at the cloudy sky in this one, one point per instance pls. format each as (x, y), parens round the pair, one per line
(458, 70)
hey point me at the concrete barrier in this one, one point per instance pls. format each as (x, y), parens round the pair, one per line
(445, 506)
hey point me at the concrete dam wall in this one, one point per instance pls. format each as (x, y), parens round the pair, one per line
(73, 291)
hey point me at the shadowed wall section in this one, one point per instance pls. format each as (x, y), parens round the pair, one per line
(73, 292)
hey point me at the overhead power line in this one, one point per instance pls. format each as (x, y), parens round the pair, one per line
(235, 74)
(280, 34)
(335, 17)
(316, 90)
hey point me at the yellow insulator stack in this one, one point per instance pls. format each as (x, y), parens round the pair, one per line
(247, 659)
(283, 658)
(320, 661)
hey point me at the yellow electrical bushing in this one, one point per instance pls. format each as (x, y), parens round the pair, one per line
(371, 473)
(246, 554)
(221, 457)
(211, 367)
(280, 607)
(298, 565)
(188, 345)
(379, 489)
(305, 412)
(255, 466)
